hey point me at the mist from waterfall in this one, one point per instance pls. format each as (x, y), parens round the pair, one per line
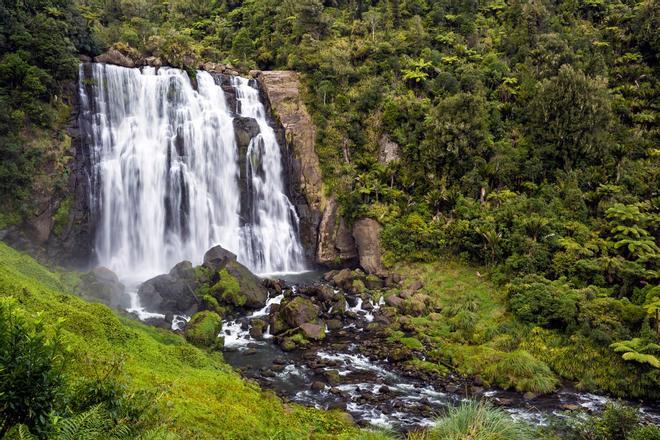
(165, 170)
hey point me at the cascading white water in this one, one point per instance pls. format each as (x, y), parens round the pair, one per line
(271, 233)
(165, 174)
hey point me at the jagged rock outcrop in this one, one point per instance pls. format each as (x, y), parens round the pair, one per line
(366, 232)
(336, 244)
(388, 150)
(114, 56)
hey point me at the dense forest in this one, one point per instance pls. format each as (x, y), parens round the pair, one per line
(527, 144)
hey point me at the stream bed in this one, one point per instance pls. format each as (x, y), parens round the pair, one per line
(338, 373)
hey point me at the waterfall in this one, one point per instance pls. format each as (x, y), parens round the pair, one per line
(164, 173)
(271, 245)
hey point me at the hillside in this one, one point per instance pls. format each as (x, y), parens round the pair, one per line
(164, 381)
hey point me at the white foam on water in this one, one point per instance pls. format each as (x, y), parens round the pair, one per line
(235, 336)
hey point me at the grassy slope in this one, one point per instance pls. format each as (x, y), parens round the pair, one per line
(201, 396)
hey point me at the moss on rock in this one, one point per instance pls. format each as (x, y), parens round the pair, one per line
(203, 329)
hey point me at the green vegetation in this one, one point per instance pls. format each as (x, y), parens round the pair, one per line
(204, 328)
(478, 421)
(144, 379)
(527, 137)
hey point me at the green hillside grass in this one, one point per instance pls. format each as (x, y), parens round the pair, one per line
(197, 395)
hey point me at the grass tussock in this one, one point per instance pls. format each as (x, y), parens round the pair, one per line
(478, 421)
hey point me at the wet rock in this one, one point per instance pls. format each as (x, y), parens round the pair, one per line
(569, 407)
(280, 360)
(250, 351)
(358, 287)
(278, 368)
(258, 326)
(288, 344)
(329, 275)
(299, 311)
(267, 373)
(276, 285)
(373, 282)
(530, 396)
(172, 292)
(249, 292)
(102, 285)
(343, 279)
(318, 385)
(366, 232)
(394, 301)
(452, 388)
(277, 324)
(312, 331)
(332, 376)
(384, 389)
(158, 322)
(217, 258)
(203, 329)
(153, 62)
(334, 324)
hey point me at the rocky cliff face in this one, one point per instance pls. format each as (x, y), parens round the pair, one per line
(326, 236)
(55, 228)
(282, 88)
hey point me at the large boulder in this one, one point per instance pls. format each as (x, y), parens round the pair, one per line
(299, 311)
(366, 232)
(102, 285)
(217, 258)
(171, 293)
(113, 56)
(203, 329)
(245, 129)
(312, 331)
(250, 286)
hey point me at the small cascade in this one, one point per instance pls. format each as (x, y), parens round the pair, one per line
(164, 173)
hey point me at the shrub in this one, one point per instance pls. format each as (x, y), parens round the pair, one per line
(522, 371)
(535, 300)
(31, 364)
(478, 421)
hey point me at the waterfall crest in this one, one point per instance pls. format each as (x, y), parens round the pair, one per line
(165, 169)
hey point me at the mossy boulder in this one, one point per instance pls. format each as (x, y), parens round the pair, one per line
(203, 329)
(236, 286)
(312, 331)
(250, 286)
(343, 279)
(299, 311)
(358, 287)
(373, 282)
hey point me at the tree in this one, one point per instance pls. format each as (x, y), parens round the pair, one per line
(569, 119)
